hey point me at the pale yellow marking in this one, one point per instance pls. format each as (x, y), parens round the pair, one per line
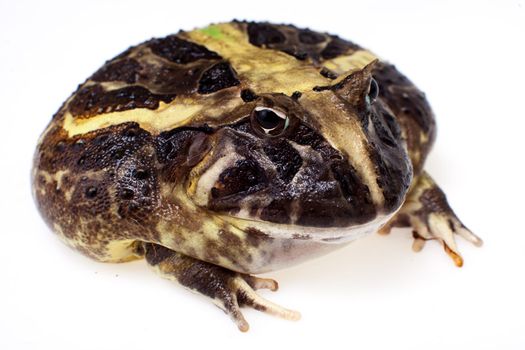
(265, 70)
(343, 65)
(50, 178)
(208, 179)
(167, 116)
(346, 135)
(272, 70)
(120, 251)
(58, 178)
(356, 148)
(109, 85)
(423, 137)
(195, 172)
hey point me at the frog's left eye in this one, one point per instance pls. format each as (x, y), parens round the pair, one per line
(373, 91)
(269, 121)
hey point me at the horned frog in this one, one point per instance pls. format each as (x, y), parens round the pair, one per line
(237, 149)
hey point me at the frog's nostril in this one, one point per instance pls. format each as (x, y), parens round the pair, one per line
(336, 157)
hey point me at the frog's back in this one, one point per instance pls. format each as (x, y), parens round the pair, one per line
(96, 174)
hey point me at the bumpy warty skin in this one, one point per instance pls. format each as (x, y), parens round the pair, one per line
(163, 145)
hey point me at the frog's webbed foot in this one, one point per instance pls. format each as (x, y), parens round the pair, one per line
(229, 290)
(427, 211)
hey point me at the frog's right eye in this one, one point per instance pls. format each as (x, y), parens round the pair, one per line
(268, 121)
(373, 91)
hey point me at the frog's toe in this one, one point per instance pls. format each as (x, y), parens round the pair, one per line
(427, 211)
(261, 283)
(442, 227)
(241, 292)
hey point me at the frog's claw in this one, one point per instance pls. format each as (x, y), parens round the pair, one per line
(427, 211)
(228, 289)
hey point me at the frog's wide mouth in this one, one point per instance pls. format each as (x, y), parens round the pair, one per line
(334, 235)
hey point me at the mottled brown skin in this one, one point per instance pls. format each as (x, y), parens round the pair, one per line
(117, 184)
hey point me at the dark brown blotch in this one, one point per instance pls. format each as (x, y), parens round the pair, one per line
(256, 237)
(434, 200)
(126, 194)
(248, 95)
(327, 73)
(173, 146)
(356, 193)
(411, 109)
(92, 100)
(155, 253)
(229, 239)
(261, 34)
(309, 37)
(296, 95)
(277, 211)
(245, 176)
(286, 159)
(91, 198)
(393, 168)
(106, 148)
(141, 174)
(91, 192)
(126, 70)
(179, 50)
(218, 77)
(337, 47)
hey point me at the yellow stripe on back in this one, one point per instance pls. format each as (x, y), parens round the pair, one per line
(262, 70)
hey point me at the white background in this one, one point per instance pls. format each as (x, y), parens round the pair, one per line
(376, 293)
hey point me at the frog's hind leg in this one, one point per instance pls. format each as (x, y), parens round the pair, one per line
(229, 290)
(427, 211)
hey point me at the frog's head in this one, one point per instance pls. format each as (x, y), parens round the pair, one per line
(327, 163)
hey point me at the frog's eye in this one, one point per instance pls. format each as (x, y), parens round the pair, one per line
(268, 121)
(373, 91)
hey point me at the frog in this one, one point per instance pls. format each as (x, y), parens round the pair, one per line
(236, 149)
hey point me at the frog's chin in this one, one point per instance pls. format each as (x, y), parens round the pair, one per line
(328, 235)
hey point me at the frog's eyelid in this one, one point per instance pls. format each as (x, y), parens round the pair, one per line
(277, 112)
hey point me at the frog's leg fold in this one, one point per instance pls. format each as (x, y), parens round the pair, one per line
(229, 290)
(427, 211)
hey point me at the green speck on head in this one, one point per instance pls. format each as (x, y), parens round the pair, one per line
(213, 31)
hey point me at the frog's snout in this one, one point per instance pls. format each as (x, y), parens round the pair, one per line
(278, 181)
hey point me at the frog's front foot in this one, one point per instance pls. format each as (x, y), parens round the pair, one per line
(427, 211)
(229, 290)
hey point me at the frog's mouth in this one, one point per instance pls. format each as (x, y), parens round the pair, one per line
(327, 235)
